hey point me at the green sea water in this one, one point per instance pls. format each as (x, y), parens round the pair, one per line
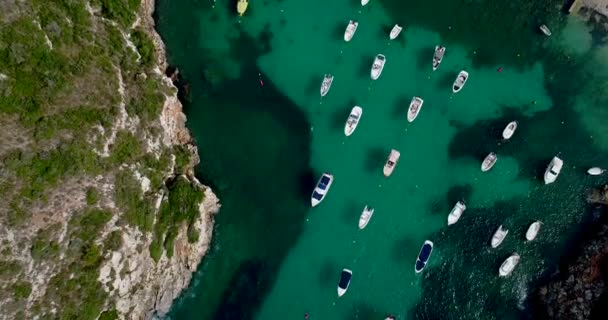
(264, 146)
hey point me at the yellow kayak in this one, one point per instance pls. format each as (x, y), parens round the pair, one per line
(241, 6)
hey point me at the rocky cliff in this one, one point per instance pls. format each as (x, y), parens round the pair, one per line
(101, 216)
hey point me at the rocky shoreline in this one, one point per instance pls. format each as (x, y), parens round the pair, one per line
(149, 287)
(578, 290)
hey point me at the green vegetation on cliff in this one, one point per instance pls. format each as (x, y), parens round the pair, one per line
(81, 154)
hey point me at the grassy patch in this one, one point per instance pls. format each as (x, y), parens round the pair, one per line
(126, 148)
(181, 206)
(9, 269)
(22, 290)
(92, 196)
(109, 315)
(144, 46)
(130, 199)
(113, 241)
(182, 159)
(121, 11)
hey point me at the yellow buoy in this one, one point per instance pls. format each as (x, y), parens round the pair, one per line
(241, 6)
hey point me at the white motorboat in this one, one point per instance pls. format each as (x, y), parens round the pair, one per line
(489, 161)
(395, 31)
(391, 162)
(390, 318)
(345, 278)
(509, 130)
(507, 267)
(553, 170)
(438, 56)
(423, 256)
(545, 30)
(460, 81)
(364, 2)
(456, 212)
(353, 120)
(321, 189)
(326, 84)
(499, 236)
(595, 171)
(350, 30)
(414, 109)
(377, 67)
(366, 215)
(533, 230)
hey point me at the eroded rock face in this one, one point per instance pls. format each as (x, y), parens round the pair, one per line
(143, 287)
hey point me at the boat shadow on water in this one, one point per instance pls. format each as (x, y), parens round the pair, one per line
(424, 58)
(338, 117)
(365, 66)
(328, 274)
(364, 310)
(405, 250)
(375, 158)
(351, 212)
(400, 107)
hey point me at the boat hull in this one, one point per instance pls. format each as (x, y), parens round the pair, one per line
(321, 190)
(509, 130)
(413, 111)
(553, 170)
(353, 120)
(395, 32)
(489, 162)
(377, 67)
(326, 84)
(423, 256)
(533, 231)
(460, 81)
(350, 30)
(437, 57)
(595, 171)
(391, 163)
(508, 265)
(345, 278)
(456, 212)
(498, 237)
(365, 217)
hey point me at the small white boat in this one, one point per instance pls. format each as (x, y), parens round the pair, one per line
(353, 120)
(395, 31)
(489, 161)
(423, 256)
(390, 318)
(595, 171)
(364, 2)
(499, 236)
(414, 109)
(545, 30)
(507, 267)
(456, 212)
(366, 215)
(509, 130)
(345, 278)
(391, 162)
(377, 67)
(321, 189)
(460, 81)
(438, 56)
(533, 230)
(350, 30)
(326, 84)
(553, 170)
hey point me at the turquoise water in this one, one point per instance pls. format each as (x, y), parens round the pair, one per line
(263, 148)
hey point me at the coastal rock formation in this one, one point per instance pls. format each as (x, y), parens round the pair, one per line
(102, 216)
(598, 196)
(577, 293)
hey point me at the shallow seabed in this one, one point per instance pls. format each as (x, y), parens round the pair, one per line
(265, 136)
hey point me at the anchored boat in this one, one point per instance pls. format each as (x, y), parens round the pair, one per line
(553, 170)
(438, 56)
(395, 32)
(509, 265)
(545, 30)
(509, 130)
(414, 109)
(241, 6)
(351, 28)
(489, 162)
(345, 278)
(326, 84)
(456, 212)
(366, 215)
(499, 236)
(533, 230)
(378, 66)
(595, 171)
(353, 120)
(460, 81)
(391, 162)
(423, 256)
(364, 2)
(321, 189)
